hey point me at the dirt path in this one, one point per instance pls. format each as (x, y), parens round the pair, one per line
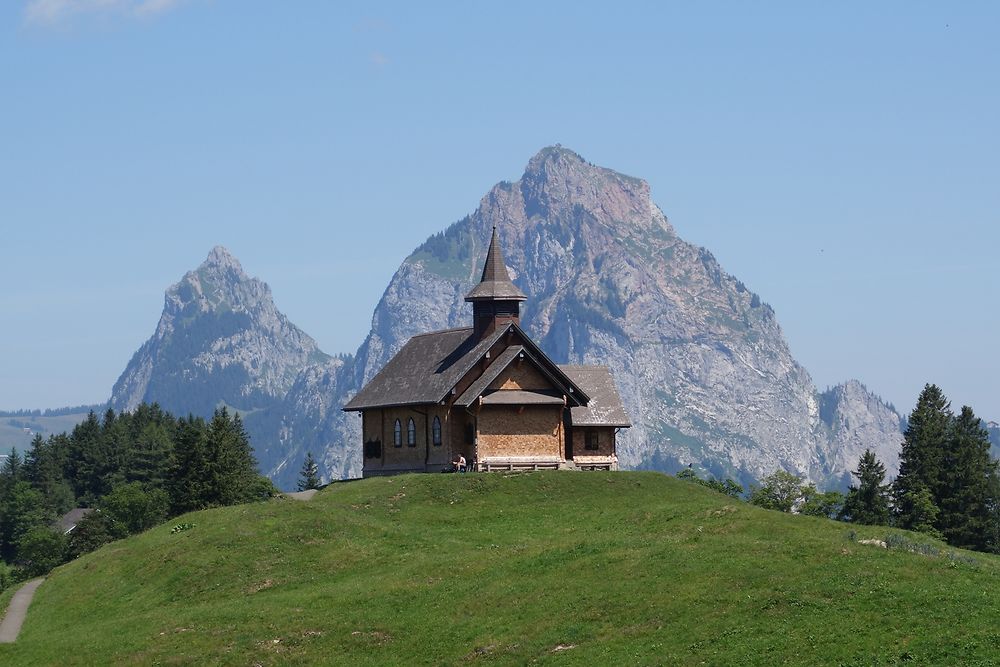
(302, 495)
(18, 608)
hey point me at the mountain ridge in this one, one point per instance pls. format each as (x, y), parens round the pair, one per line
(609, 281)
(700, 360)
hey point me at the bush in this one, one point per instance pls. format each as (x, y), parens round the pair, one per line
(134, 508)
(6, 576)
(41, 549)
(727, 487)
(91, 533)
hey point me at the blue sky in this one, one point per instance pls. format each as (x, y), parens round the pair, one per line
(839, 158)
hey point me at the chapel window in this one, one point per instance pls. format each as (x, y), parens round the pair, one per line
(592, 442)
(411, 433)
(436, 431)
(397, 434)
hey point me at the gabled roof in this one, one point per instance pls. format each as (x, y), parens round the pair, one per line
(430, 365)
(425, 370)
(562, 384)
(494, 370)
(605, 406)
(495, 285)
(68, 521)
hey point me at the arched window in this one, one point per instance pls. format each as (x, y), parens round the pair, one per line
(411, 433)
(397, 434)
(436, 431)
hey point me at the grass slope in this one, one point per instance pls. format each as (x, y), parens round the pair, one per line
(13, 431)
(617, 568)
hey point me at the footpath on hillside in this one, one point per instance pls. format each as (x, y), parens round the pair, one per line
(301, 495)
(14, 619)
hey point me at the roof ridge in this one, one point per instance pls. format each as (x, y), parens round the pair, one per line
(441, 331)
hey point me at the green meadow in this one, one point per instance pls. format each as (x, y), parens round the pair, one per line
(546, 567)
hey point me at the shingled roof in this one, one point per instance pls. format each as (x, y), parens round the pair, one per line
(430, 365)
(425, 370)
(495, 283)
(605, 406)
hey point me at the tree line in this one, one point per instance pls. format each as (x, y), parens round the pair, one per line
(135, 469)
(948, 485)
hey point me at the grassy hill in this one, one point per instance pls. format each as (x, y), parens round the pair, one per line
(17, 432)
(555, 568)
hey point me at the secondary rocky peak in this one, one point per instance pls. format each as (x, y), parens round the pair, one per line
(220, 258)
(219, 338)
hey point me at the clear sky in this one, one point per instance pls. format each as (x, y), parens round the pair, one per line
(842, 159)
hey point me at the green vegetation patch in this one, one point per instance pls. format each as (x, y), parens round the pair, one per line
(548, 567)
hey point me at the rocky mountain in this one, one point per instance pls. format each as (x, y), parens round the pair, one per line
(701, 361)
(220, 340)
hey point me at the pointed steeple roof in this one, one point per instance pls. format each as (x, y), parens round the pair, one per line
(495, 284)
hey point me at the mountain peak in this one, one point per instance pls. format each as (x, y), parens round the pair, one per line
(220, 257)
(554, 156)
(219, 338)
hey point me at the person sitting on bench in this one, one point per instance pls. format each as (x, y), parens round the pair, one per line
(458, 465)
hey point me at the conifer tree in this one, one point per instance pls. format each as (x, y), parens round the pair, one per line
(868, 502)
(150, 456)
(966, 491)
(921, 458)
(189, 477)
(230, 465)
(310, 474)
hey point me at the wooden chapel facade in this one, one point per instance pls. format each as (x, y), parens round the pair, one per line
(489, 393)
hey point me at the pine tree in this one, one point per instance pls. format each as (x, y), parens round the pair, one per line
(868, 502)
(230, 465)
(965, 494)
(150, 456)
(921, 458)
(310, 474)
(189, 478)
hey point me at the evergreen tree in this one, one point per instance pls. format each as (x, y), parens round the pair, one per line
(966, 489)
(189, 478)
(85, 465)
(229, 460)
(921, 458)
(43, 467)
(150, 456)
(310, 474)
(11, 473)
(868, 502)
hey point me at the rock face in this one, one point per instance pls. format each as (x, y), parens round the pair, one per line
(220, 339)
(700, 360)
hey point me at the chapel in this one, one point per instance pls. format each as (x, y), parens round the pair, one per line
(488, 393)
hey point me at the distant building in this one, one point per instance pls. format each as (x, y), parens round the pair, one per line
(487, 393)
(67, 522)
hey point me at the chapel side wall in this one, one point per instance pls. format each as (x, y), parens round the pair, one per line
(439, 456)
(371, 429)
(404, 457)
(512, 431)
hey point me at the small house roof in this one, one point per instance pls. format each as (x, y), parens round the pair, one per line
(605, 406)
(495, 285)
(68, 521)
